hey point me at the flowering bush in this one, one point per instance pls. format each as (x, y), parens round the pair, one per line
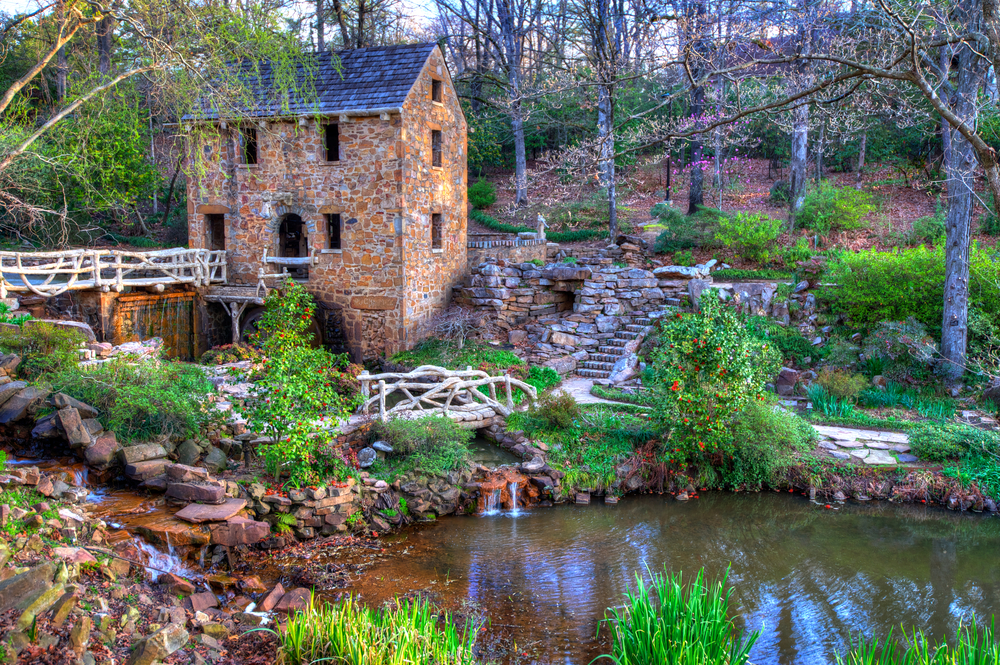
(300, 388)
(707, 368)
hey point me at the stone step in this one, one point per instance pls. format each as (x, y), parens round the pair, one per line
(618, 341)
(626, 335)
(636, 328)
(611, 350)
(594, 373)
(594, 364)
(605, 357)
(642, 321)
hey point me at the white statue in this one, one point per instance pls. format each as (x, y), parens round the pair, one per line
(541, 227)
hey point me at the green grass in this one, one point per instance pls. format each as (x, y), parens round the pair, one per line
(555, 236)
(668, 621)
(828, 409)
(895, 395)
(977, 645)
(619, 395)
(737, 274)
(350, 634)
(447, 354)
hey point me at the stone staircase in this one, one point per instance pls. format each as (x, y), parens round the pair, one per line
(599, 364)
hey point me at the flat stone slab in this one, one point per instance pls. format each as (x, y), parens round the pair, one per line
(861, 453)
(199, 513)
(827, 445)
(877, 445)
(849, 433)
(74, 555)
(839, 455)
(907, 458)
(880, 458)
(845, 443)
(900, 448)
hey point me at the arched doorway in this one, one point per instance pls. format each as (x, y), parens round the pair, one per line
(293, 242)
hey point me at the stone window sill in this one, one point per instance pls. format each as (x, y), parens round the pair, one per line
(441, 104)
(437, 168)
(440, 250)
(324, 162)
(331, 251)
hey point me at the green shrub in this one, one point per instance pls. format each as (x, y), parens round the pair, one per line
(620, 395)
(709, 366)
(737, 274)
(930, 228)
(482, 194)
(680, 232)
(764, 440)
(800, 251)
(939, 442)
(906, 349)
(351, 634)
(445, 353)
(685, 258)
(558, 410)
(842, 385)
(828, 208)
(752, 235)
(230, 353)
(990, 224)
(542, 378)
(781, 192)
(45, 349)
(140, 399)
(842, 353)
(788, 340)
(429, 445)
(555, 236)
(7, 315)
(667, 621)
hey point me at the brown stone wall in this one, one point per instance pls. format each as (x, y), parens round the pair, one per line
(502, 248)
(430, 273)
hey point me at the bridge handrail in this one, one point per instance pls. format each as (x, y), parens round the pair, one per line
(108, 269)
(461, 384)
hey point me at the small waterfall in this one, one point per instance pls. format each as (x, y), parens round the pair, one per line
(159, 562)
(493, 502)
(514, 510)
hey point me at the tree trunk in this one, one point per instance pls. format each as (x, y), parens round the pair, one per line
(961, 169)
(361, 24)
(861, 156)
(606, 166)
(820, 147)
(800, 156)
(104, 32)
(520, 159)
(320, 37)
(696, 194)
(338, 9)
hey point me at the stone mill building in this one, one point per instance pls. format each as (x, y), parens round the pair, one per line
(358, 190)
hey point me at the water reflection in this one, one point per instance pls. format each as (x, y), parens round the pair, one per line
(806, 576)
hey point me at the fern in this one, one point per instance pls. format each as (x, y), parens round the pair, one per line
(283, 523)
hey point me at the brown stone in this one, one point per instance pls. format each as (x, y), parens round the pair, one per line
(183, 473)
(175, 586)
(142, 453)
(202, 601)
(294, 601)
(102, 454)
(198, 513)
(239, 531)
(269, 601)
(72, 425)
(62, 401)
(204, 492)
(145, 470)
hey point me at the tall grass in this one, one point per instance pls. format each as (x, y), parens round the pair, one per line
(976, 646)
(667, 622)
(896, 395)
(349, 634)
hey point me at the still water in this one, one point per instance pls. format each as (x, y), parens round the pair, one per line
(806, 576)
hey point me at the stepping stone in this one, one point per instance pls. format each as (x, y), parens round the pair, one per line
(877, 445)
(907, 458)
(839, 455)
(880, 457)
(199, 513)
(850, 444)
(900, 448)
(860, 454)
(827, 445)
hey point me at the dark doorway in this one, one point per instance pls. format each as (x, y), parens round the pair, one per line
(293, 242)
(216, 231)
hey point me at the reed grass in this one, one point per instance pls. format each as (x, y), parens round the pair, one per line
(410, 633)
(975, 646)
(667, 622)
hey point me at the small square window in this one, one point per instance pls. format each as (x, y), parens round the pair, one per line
(436, 231)
(215, 225)
(436, 87)
(248, 141)
(435, 147)
(333, 231)
(331, 142)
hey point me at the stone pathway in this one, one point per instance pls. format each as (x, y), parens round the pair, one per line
(868, 446)
(579, 387)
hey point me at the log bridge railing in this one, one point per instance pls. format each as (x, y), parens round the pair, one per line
(432, 390)
(50, 274)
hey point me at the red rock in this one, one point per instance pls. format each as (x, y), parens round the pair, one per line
(239, 531)
(102, 454)
(183, 473)
(252, 584)
(74, 555)
(175, 586)
(145, 470)
(203, 492)
(199, 513)
(202, 601)
(294, 601)
(44, 486)
(270, 600)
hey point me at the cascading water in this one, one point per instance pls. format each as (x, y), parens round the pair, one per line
(493, 502)
(514, 510)
(158, 562)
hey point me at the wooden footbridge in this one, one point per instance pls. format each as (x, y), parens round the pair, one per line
(50, 274)
(431, 390)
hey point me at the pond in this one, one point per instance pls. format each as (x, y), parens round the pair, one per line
(807, 576)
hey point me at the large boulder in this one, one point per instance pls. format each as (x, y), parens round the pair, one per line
(22, 404)
(76, 432)
(142, 452)
(785, 383)
(64, 401)
(201, 492)
(565, 273)
(188, 453)
(21, 590)
(102, 454)
(215, 460)
(9, 363)
(159, 645)
(239, 531)
(625, 368)
(7, 391)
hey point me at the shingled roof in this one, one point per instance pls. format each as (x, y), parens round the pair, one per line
(364, 79)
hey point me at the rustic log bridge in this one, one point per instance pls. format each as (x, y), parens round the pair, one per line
(432, 390)
(51, 274)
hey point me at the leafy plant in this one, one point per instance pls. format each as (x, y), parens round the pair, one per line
(283, 523)
(7, 315)
(781, 192)
(975, 645)
(800, 251)
(668, 621)
(351, 634)
(45, 349)
(482, 194)
(430, 445)
(938, 442)
(140, 399)
(559, 410)
(929, 228)
(765, 437)
(738, 274)
(845, 386)
(708, 367)
(829, 208)
(686, 232)
(752, 235)
(684, 258)
(905, 347)
(299, 386)
(230, 353)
